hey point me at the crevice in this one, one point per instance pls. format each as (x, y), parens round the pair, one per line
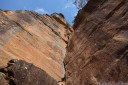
(23, 28)
(3, 70)
(104, 1)
(10, 73)
(124, 27)
(63, 80)
(122, 52)
(124, 13)
(11, 82)
(114, 10)
(96, 27)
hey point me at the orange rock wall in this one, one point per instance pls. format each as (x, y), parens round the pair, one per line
(35, 38)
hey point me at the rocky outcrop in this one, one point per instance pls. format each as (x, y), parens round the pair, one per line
(19, 72)
(97, 52)
(34, 38)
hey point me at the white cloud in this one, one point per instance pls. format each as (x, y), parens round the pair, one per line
(41, 10)
(69, 5)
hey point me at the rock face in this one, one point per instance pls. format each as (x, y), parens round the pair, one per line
(19, 72)
(97, 52)
(34, 38)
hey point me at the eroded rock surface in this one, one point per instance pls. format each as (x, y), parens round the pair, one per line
(36, 38)
(98, 49)
(19, 72)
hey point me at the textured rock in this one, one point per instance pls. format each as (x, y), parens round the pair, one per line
(35, 38)
(3, 80)
(98, 49)
(19, 72)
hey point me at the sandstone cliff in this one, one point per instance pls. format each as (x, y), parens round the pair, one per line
(35, 38)
(97, 52)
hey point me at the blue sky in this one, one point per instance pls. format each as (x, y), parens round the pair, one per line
(65, 7)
